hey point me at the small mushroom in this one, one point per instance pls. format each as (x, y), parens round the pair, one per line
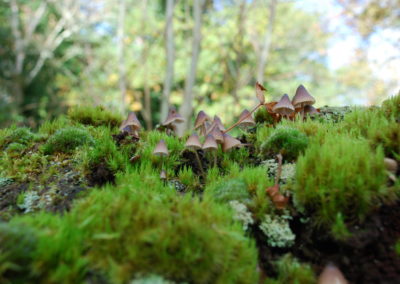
(331, 275)
(131, 125)
(246, 120)
(302, 98)
(163, 175)
(161, 149)
(284, 107)
(310, 110)
(200, 122)
(229, 142)
(193, 143)
(211, 145)
(218, 122)
(172, 119)
(217, 134)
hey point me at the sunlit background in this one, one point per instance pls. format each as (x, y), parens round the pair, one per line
(146, 55)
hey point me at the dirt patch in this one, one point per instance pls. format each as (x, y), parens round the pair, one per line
(367, 257)
(8, 199)
(100, 174)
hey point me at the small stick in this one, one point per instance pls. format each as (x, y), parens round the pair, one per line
(279, 170)
(199, 162)
(243, 118)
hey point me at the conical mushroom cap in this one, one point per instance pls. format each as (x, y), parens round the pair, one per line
(284, 106)
(132, 121)
(229, 142)
(218, 122)
(161, 149)
(201, 118)
(302, 97)
(247, 119)
(173, 117)
(193, 142)
(210, 143)
(331, 275)
(260, 93)
(217, 134)
(309, 109)
(163, 175)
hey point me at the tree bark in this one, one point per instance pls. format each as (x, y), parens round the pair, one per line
(187, 105)
(266, 47)
(170, 53)
(121, 52)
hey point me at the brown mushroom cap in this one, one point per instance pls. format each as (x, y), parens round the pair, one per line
(201, 118)
(193, 142)
(260, 93)
(173, 117)
(161, 149)
(310, 110)
(163, 174)
(229, 142)
(131, 123)
(248, 120)
(217, 134)
(218, 122)
(391, 165)
(331, 275)
(210, 143)
(284, 106)
(302, 97)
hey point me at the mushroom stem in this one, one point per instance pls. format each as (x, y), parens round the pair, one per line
(243, 118)
(215, 159)
(279, 170)
(199, 162)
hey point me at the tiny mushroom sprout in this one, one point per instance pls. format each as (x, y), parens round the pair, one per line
(200, 122)
(310, 110)
(163, 175)
(217, 134)
(284, 107)
(193, 143)
(211, 145)
(161, 150)
(229, 142)
(246, 120)
(172, 119)
(131, 125)
(302, 98)
(331, 275)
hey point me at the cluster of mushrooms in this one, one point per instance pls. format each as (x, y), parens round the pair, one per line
(213, 132)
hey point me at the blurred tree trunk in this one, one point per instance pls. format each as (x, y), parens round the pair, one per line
(145, 54)
(121, 52)
(266, 46)
(187, 105)
(170, 53)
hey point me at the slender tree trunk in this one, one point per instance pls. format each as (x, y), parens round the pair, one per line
(187, 105)
(170, 52)
(267, 42)
(121, 52)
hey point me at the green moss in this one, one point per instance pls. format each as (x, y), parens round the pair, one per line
(343, 175)
(20, 135)
(290, 142)
(391, 106)
(66, 140)
(227, 190)
(17, 245)
(290, 270)
(15, 147)
(142, 228)
(49, 127)
(263, 116)
(95, 116)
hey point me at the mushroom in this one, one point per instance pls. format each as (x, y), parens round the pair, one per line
(211, 145)
(193, 143)
(284, 107)
(200, 122)
(163, 175)
(161, 150)
(229, 142)
(310, 110)
(217, 134)
(246, 120)
(218, 122)
(172, 119)
(331, 275)
(302, 98)
(391, 165)
(131, 125)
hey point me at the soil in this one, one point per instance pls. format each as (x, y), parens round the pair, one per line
(366, 257)
(100, 174)
(8, 199)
